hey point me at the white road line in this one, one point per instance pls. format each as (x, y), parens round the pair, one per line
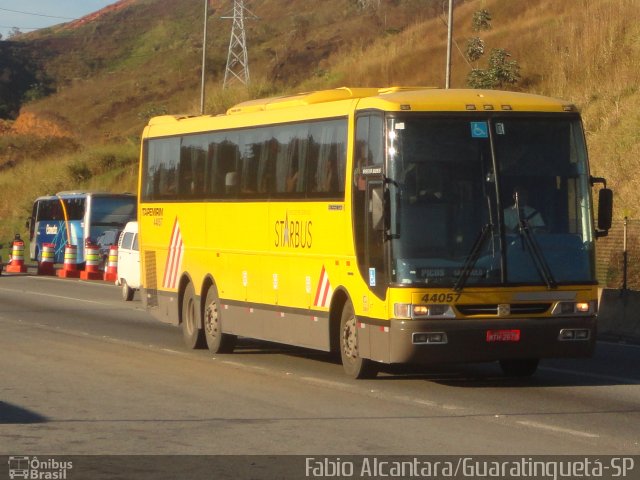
(168, 350)
(326, 383)
(428, 403)
(619, 344)
(598, 376)
(75, 299)
(553, 428)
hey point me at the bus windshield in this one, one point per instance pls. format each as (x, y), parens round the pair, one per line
(490, 201)
(110, 212)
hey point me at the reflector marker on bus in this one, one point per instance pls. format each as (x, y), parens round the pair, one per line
(324, 291)
(174, 258)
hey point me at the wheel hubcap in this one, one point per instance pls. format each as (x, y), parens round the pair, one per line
(211, 319)
(349, 339)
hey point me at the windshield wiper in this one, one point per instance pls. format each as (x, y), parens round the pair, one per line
(473, 256)
(542, 267)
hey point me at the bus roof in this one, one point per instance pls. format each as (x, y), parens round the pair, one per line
(420, 99)
(80, 194)
(412, 98)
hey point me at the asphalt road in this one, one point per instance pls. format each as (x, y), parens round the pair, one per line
(82, 372)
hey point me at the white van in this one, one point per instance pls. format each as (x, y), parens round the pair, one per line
(129, 261)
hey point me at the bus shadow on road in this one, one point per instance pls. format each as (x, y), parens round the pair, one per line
(489, 375)
(550, 373)
(13, 414)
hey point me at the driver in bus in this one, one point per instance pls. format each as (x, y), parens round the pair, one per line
(529, 215)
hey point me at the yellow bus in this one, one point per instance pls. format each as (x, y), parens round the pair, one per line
(394, 225)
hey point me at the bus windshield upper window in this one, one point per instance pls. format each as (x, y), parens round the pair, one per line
(450, 194)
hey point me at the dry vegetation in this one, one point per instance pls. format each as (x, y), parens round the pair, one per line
(587, 51)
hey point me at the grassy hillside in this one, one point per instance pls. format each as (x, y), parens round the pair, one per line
(143, 57)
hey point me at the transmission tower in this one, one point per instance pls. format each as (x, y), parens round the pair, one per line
(237, 59)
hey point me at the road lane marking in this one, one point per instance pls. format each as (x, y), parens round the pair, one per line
(598, 376)
(619, 344)
(426, 403)
(553, 428)
(75, 299)
(326, 383)
(168, 350)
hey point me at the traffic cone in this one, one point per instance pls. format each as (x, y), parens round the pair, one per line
(70, 267)
(111, 272)
(45, 266)
(16, 265)
(92, 261)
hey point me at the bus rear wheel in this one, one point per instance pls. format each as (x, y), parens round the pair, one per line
(354, 365)
(191, 325)
(519, 367)
(217, 341)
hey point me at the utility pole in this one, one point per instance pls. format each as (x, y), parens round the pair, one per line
(447, 81)
(204, 55)
(237, 59)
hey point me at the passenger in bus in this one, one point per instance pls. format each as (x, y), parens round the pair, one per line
(529, 215)
(292, 181)
(326, 180)
(361, 160)
(231, 182)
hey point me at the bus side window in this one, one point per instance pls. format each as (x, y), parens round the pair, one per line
(267, 166)
(163, 157)
(226, 167)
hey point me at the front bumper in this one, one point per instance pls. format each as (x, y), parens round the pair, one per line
(466, 340)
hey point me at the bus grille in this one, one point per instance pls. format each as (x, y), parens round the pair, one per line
(515, 309)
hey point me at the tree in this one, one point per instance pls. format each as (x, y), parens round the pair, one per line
(14, 32)
(475, 49)
(500, 71)
(481, 20)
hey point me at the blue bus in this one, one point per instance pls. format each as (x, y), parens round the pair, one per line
(75, 217)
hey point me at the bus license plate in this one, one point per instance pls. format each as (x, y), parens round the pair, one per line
(503, 335)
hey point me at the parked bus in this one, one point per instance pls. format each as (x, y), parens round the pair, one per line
(377, 223)
(75, 217)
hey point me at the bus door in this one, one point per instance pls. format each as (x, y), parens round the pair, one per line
(31, 225)
(369, 201)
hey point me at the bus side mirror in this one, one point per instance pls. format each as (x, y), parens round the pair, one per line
(605, 211)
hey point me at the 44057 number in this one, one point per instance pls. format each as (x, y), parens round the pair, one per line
(441, 297)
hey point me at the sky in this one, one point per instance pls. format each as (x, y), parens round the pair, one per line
(30, 15)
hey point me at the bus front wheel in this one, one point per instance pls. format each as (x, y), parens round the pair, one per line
(217, 341)
(191, 326)
(354, 365)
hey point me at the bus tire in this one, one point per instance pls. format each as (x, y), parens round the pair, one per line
(127, 291)
(217, 342)
(519, 367)
(191, 325)
(354, 365)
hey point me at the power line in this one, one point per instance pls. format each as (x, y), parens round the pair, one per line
(36, 14)
(22, 28)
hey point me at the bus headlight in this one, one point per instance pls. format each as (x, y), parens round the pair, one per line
(408, 310)
(573, 308)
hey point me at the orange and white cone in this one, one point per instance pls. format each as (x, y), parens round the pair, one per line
(16, 265)
(92, 262)
(70, 267)
(47, 258)
(111, 272)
